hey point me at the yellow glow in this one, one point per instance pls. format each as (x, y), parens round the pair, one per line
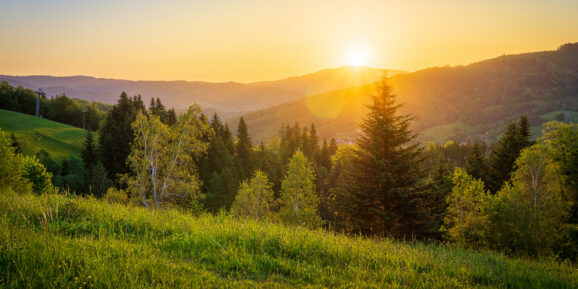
(267, 40)
(357, 59)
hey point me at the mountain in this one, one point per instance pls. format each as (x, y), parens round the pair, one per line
(476, 100)
(331, 79)
(229, 98)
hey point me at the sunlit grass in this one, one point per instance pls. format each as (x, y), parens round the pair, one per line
(57, 242)
(59, 140)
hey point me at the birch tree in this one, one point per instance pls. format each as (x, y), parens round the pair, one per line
(162, 159)
(530, 211)
(255, 197)
(298, 198)
(465, 218)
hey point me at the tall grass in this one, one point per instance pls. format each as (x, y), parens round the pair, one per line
(56, 241)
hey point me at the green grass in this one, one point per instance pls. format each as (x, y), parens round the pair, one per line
(570, 115)
(60, 140)
(55, 241)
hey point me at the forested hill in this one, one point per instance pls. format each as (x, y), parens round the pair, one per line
(227, 98)
(448, 102)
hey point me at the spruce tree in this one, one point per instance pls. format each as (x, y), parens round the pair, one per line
(64, 168)
(503, 157)
(476, 163)
(89, 153)
(244, 150)
(388, 169)
(116, 136)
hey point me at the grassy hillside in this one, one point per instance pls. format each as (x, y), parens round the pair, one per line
(454, 102)
(54, 241)
(60, 140)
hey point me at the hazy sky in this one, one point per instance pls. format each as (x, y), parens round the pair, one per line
(266, 40)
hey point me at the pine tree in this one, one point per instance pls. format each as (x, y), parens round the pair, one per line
(476, 163)
(98, 183)
(171, 117)
(89, 153)
(325, 156)
(116, 136)
(525, 134)
(64, 168)
(298, 198)
(386, 196)
(244, 150)
(503, 157)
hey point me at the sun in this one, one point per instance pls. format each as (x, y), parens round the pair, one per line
(357, 58)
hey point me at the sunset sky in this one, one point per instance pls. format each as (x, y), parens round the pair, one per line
(266, 40)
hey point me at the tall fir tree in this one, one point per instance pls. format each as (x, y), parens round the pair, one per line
(386, 197)
(244, 150)
(89, 153)
(476, 163)
(506, 151)
(116, 135)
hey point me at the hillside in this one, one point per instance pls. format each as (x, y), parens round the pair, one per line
(448, 102)
(55, 241)
(331, 79)
(59, 140)
(230, 98)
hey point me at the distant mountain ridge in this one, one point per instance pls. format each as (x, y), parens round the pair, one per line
(473, 101)
(233, 98)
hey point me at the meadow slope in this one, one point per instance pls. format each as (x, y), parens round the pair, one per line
(56, 241)
(59, 140)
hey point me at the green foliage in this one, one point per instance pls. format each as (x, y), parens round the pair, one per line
(116, 135)
(162, 159)
(561, 141)
(476, 165)
(244, 150)
(255, 198)
(35, 134)
(465, 220)
(114, 195)
(36, 174)
(298, 198)
(77, 112)
(503, 157)
(56, 241)
(388, 170)
(340, 179)
(530, 212)
(477, 100)
(89, 152)
(217, 169)
(12, 168)
(21, 173)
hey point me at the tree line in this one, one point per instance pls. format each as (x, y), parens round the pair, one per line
(516, 195)
(73, 111)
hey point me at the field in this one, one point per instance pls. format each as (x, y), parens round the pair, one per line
(59, 140)
(56, 241)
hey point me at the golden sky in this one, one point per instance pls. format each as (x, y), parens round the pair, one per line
(266, 40)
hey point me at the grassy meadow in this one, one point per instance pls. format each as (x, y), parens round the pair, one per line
(57, 241)
(59, 140)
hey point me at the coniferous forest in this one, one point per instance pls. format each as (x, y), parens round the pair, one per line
(517, 196)
(289, 144)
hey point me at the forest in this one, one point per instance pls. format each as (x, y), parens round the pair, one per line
(518, 196)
